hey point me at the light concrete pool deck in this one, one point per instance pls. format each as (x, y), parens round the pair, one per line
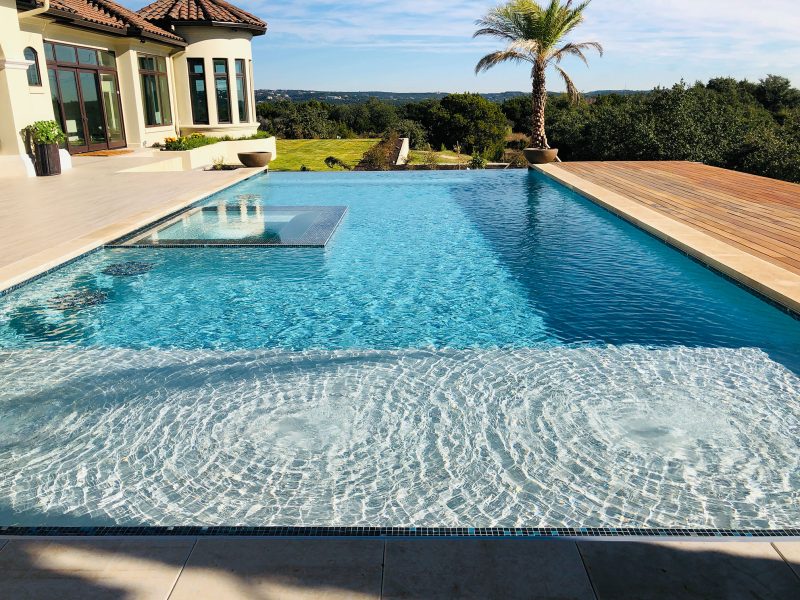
(259, 569)
(47, 221)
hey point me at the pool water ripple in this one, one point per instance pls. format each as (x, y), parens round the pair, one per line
(612, 436)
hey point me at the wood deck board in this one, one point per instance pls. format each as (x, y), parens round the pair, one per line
(782, 230)
(683, 191)
(755, 214)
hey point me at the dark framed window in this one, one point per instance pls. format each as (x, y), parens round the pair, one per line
(66, 54)
(197, 91)
(34, 74)
(241, 90)
(87, 56)
(222, 89)
(155, 90)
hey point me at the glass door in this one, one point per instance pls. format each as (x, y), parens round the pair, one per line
(93, 118)
(72, 110)
(110, 94)
(86, 96)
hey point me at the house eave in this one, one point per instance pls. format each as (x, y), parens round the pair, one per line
(254, 29)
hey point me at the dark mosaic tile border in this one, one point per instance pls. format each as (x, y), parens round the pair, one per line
(694, 259)
(397, 532)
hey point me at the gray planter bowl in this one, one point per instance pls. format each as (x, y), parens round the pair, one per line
(255, 159)
(540, 156)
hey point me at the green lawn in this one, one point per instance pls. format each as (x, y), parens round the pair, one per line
(447, 157)
(292, 154)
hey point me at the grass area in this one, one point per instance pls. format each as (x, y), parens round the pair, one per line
(293, 154)
(418, 157)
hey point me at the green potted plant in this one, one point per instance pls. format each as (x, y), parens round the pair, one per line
(45, 137)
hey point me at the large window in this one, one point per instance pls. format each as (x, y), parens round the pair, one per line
(197, 91)
(241, 90)
(222, 88)
(34, 75)
(155, 90)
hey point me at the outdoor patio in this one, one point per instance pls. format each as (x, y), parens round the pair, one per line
(192, 568)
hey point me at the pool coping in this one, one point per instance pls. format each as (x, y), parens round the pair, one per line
(769, 280)
(83, 246)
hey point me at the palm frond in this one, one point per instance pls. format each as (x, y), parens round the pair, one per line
(572, 90)
(576, 49)
(530, 47)
(501, 56)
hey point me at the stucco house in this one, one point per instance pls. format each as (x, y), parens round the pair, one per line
(115, 78)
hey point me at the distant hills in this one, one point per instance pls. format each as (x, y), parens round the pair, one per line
(392, 97)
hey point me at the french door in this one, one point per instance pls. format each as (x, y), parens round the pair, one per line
(88, 104)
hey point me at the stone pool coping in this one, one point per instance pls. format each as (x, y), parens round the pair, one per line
(773, 282)
(190, 567)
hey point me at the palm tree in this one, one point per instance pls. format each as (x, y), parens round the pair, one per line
(534, 34)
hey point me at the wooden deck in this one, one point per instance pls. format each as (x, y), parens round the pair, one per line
(745, 226)
(758, 215)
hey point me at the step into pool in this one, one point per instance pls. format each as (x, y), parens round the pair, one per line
(482, 349)
(243, 224)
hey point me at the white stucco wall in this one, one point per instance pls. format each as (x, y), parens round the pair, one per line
(21, 104)
(209, 43)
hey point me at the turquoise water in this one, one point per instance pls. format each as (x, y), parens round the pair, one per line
(482, 348)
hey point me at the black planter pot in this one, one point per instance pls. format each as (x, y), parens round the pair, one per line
(46, 160)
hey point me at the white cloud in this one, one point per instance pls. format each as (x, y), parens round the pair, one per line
(667, 38)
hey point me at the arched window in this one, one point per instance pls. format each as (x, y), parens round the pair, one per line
(34, 75)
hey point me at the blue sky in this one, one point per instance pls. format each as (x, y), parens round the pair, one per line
(426, 45)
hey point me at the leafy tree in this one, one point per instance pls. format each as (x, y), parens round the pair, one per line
(534, 34)
(414, 131)
(518, 112)
(472, 121)
(776, 94)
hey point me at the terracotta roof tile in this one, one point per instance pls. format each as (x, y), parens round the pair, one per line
(111, 14)
(200, 11)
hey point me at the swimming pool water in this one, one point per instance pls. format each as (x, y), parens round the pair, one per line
(482, 349)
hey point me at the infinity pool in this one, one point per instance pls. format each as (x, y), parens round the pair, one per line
(470, 349)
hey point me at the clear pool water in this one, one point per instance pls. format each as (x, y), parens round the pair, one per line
(482, 349)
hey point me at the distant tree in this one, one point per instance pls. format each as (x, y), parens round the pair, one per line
(382, 115)
(776, 94)
(414, 131)
(470, 120)
(534, 34)
(519, 113)
(423, 112)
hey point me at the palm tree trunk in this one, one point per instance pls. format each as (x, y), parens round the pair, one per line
(539, 101)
